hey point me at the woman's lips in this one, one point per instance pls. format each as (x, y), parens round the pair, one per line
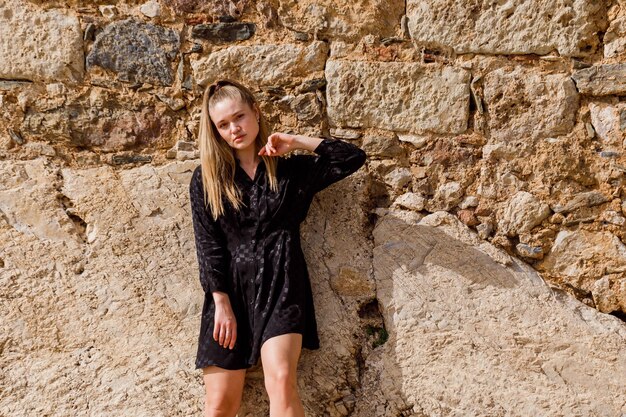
(239, 137)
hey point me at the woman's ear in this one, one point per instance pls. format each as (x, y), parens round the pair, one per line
(257, 112)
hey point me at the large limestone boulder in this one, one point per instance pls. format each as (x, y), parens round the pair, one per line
(101, 298)
(507, 27)
(474, 334)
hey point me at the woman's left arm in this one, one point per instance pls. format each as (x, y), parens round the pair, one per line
(335, 159)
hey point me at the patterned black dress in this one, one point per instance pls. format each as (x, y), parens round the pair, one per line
(255, 256)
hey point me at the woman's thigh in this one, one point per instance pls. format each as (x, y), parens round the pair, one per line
(280, 354)
(224, 387)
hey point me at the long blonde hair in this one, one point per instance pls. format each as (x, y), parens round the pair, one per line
(217, 158)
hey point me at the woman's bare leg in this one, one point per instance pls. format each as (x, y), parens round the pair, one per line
(279, 356)
(224, 389)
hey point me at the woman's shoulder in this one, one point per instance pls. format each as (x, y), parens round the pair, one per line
(297, 161)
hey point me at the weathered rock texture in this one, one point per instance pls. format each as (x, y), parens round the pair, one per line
(445, 300)
(27, 35)
(507, 27)
(397, 96)
(137, 52)
(346, 20)
(261, 65)
(476, 265)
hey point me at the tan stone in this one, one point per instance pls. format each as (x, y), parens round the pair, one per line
(98, 276)
(609, 122)
(39, 45)
(397, 96)
(507, 27)
(467, 334)
(521, 213)
(262, 65)
(525, 105)
(341, 19)
(580, 258)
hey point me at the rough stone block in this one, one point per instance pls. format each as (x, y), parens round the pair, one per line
(470, 336)
(507, 27)
(261, 64)
(601, 80)
(39, 45)
(524, 104)
(397, 96)
(341, 19)
(136, 51)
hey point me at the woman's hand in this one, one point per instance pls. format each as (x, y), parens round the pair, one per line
(279, 144)
(225, 329)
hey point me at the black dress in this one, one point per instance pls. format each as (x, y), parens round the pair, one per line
(255, 256)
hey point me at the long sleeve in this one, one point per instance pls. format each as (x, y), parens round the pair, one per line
(209, 239)
(335, 160)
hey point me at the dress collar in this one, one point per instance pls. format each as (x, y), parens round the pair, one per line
(259, 170)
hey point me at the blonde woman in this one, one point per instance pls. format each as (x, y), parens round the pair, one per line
(247, 203)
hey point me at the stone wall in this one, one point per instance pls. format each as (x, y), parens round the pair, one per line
(478, 268)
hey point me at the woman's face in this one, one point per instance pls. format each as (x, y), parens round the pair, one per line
(236, 122)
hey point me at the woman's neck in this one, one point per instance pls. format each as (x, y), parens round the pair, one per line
(247, 157)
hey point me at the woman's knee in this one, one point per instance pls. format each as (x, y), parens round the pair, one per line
(221, 405)
(221, 410)
(224, 389)
(280, 381)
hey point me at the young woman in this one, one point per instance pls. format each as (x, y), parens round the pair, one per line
(247, 203)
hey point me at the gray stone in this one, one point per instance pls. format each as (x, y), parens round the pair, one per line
(39, 45)
(123, 159)
(136, 51)
(382, 146)
(580, 258)
(506, 27)
(173, 103)
(608, 154)
(398, 178)
(469, 201)
(307, 108)
(262, 65)
(397, 96)
(447, 196)
(530, 252)
(484, 230)
(345, 133)
(613, 217)
(224, 32)
(609, 294)
(108, 11)
(415, 140)
(586, 199)
(601, 80)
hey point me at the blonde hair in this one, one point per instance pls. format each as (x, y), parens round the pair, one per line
(217, 158)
